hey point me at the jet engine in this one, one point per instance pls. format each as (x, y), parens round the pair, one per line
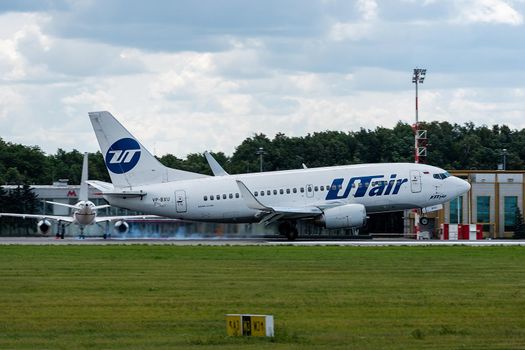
(43, 227)
(344, 216)
(121, 226)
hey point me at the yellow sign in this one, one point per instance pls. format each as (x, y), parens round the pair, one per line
(249, 325)
(233, 325)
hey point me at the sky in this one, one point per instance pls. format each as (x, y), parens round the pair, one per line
(196, 75)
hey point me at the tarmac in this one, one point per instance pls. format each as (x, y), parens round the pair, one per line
(251, 242)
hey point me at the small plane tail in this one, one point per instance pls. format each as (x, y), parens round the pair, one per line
(128, 162)
(83, 194)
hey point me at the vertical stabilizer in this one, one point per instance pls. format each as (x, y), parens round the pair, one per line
(128, 162)
(83, 195)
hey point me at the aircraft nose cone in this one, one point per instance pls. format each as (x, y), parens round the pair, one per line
(466, 186)
(462, 185)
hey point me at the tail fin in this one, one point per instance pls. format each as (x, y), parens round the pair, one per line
(129, 163)
(83, 195)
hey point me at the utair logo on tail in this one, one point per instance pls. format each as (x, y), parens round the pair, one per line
(123, 155)
(375, 185)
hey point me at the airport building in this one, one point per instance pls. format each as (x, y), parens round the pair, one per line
(492, 202)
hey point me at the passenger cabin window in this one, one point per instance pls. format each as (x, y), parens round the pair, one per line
(218, 196)
(268, 192)
(302, 189)
(294, 190)
(287, 191)
(231, 195)
(211, 197)
(224, 196)
(274, 191)
(281, 191)
(256, 193)
(322, 188)
(205, 198)
(236, 195)
(262, 193)
(316, 188)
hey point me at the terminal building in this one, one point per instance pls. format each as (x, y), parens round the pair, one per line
(491, 202)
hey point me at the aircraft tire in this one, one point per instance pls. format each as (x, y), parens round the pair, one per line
(423, 220)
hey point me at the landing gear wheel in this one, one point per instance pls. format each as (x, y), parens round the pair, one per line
(423, 220)
(105, 236)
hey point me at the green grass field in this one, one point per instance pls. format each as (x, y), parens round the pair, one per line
(144, 297)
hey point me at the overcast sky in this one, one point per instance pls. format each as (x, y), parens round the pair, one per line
(189, 76)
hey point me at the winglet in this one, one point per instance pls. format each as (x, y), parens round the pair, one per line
(250, 199)
(214, 165)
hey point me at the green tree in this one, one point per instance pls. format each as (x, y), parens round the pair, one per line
(519, 227)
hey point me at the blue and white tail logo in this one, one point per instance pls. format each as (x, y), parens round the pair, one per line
(123, 155)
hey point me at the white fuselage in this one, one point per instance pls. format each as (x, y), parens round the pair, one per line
(379, 187)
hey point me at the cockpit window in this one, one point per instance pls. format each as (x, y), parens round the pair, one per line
(441, 176)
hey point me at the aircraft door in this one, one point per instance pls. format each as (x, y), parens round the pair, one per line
(309, 191)
(415, 181)
(180, 201)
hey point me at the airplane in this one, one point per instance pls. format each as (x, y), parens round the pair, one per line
(84, 213)
(337, 197)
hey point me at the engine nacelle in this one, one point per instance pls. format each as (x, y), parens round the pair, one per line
(344, 216)
(121, 226)
(43, 227)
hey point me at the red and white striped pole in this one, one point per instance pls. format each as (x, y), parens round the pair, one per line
(418, 77)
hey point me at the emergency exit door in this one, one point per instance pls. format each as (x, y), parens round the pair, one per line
(415, 181)
(180, 201)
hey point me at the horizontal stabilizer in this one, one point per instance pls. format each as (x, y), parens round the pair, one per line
(63, 205)
(101, 185)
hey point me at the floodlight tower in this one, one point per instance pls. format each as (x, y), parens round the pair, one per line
(420, 138)
(260, 152)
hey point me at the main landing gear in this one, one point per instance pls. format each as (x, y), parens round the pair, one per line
(61, 231)
(107, 233)
(82, 233)
(289, 230)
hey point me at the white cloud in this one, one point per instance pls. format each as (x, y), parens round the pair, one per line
(356, 30)
(488, 11)
(367, 9)
(346, 66)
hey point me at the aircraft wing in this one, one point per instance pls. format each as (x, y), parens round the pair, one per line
(40, 217)
(273, 214)
(126, 217)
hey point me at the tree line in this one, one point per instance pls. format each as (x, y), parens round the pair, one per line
(450, 146)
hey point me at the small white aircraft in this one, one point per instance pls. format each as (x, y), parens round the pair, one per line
(332, 197)
(84, 213)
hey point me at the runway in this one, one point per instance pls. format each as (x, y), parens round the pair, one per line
(251, 242)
